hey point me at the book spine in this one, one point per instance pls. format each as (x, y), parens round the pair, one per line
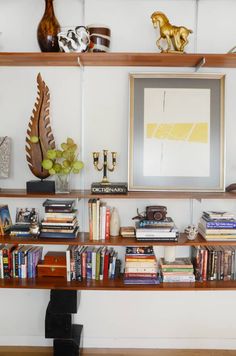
(89, 265)
(90, 218)
(148, 250)
(102, 255)
(1, 265)
(107, 223)
(106, 265)
(139, 275)
(98, 256)
(94, 260)
(6, 263)
(68, 272)
(114, 265)
(94, 221)
(84, 262)
(78, 270)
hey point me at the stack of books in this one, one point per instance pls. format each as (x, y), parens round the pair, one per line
(60, 219)
(99, 219)
(140, 266)
(89, 262)
(214, 263)
(180, 270)
(153, 230)
(217, 226)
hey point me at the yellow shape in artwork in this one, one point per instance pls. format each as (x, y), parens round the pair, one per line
(151, 128)
(163, 130)
(199, 133)
(191, 132)
(180, 132)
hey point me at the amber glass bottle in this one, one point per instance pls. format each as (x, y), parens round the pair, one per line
(48, 29)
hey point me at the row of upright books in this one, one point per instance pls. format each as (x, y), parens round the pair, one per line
(99, 219)
(217, 226)
(95, 263)
(60, 220)
(19, 261)
(214, 263)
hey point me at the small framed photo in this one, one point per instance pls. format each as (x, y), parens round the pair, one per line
(26, 215)
(176, 136)
(5, 219)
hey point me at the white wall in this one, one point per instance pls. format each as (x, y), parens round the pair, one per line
(100, 120)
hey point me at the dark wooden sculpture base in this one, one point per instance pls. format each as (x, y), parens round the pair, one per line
(58, 323)
(40, 186)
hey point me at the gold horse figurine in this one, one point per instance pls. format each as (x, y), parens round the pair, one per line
(175, 36)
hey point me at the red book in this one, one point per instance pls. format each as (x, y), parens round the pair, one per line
(107, 228)
(7, 257)
(106, 264)
(84, 263)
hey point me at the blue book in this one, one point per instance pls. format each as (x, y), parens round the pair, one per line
(89, 263)
(218, 223)
(141, 281)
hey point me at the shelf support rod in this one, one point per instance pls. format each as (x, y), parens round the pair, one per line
(80, 62)
(200, 64)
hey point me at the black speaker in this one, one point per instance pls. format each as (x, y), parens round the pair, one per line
(64, 301)
(58, 325)
(68, 347)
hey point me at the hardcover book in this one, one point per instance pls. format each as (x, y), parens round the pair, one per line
(148, 250)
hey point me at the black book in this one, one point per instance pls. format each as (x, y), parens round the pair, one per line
(58, 203)
(148, 250)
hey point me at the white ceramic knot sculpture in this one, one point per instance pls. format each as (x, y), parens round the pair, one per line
(74, 39)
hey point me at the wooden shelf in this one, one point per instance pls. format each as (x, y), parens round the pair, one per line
(116, 59)
(112, 285)
(83, 239)
(86, 194)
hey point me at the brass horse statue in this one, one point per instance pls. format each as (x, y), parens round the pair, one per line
(175, 36)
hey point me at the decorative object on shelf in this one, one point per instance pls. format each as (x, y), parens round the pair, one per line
(48, 29)
(62, 163)
(232, 50)
(5, 219)
(169, 253)
(191, 231)
(154, 213)
(105, 187)
(100, 37)
(127, 231)
(5, 145)
(176, 37)
(34, 228)
(114, 223)
(231, 187)
(176, 126)
(74, 39)
(39, 140)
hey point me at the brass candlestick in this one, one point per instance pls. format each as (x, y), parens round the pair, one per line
(105, 167)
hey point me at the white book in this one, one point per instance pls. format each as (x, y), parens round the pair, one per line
(68, 274)
(102, 226)
(94, 260)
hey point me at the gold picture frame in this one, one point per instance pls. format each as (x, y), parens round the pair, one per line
(176, 132)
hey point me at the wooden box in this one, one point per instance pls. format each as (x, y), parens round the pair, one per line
(55, 258)
(45, 270)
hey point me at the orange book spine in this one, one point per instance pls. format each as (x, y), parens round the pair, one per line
(107, 226)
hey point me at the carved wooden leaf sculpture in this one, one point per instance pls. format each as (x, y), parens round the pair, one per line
(39, 126)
